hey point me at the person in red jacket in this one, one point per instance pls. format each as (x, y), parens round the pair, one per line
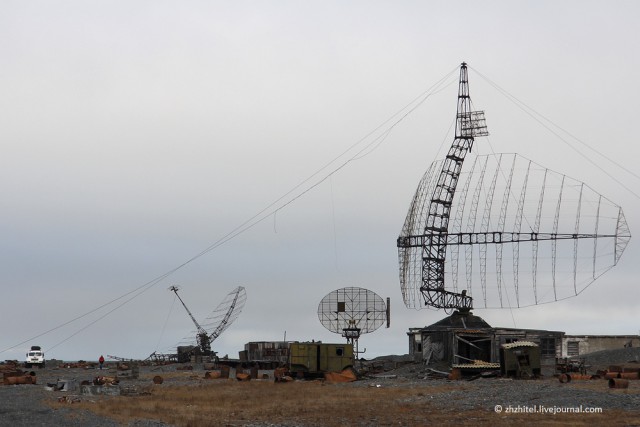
(101, 360)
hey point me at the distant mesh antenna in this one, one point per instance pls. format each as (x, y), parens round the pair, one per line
(352, 312)
(219, 320)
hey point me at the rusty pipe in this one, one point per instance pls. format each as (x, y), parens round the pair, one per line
(581, 377)
(618, 383)
(629, 375)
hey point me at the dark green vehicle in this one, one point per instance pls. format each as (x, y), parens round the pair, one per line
(313, 359)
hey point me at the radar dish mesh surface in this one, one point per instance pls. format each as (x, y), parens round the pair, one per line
(519, 234)
(223, 315)
(483, 231)
(350, 308)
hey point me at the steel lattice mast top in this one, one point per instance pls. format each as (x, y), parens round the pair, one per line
(506, 202)
(468, 125)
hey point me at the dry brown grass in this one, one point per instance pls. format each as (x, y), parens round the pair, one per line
(232, 403)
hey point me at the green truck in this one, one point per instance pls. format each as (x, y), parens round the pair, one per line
(313, 359)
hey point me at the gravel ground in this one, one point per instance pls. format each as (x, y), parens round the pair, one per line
(25, 405)
(486, 393)
(602, 359)
(34, 405)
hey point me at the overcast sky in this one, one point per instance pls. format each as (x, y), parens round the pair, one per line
(134, 135)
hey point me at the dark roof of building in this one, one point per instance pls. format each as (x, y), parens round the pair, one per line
(459, 320)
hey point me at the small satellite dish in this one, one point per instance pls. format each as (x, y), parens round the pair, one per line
(353, 311)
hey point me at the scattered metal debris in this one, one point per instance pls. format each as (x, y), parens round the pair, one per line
(69, 399)
(103, 380)
(567, 365)
(345, 376)
(24, 379)
(19, 377)
(96, 390)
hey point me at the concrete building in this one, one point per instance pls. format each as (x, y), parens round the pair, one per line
(579, 345)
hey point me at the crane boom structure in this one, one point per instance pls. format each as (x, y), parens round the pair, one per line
(204, 341)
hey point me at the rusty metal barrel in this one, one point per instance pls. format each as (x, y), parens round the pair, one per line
(564, 378)
(241, 376)
(224, 371)
(212, 375)
(618, 383)
(455, 374)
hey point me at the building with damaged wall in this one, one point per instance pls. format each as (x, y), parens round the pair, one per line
(464, 338)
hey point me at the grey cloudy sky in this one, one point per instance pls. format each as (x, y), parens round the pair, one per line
(134, 135)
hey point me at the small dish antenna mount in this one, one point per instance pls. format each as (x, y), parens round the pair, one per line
(352, 312)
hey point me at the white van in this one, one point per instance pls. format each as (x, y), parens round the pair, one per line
(35, 356)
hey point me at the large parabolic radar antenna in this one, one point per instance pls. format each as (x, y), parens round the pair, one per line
(501, 231)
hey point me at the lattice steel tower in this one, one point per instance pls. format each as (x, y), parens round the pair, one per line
(469, 124)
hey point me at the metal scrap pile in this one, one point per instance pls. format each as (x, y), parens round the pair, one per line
(627, 371)
(102, 380)
(18, 377)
